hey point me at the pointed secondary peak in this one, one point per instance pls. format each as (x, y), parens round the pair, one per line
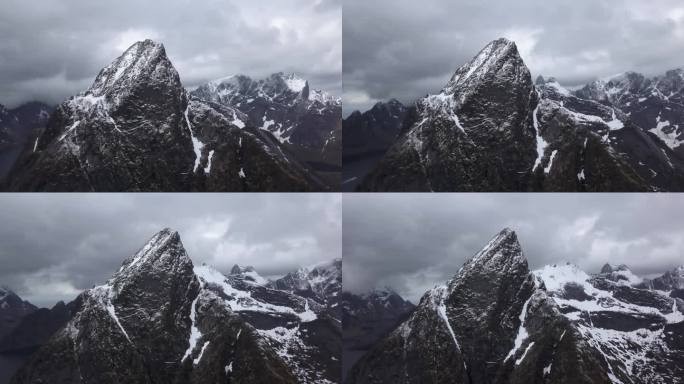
(136, 63)
(502, 249)
(489, 60)
(163, 241)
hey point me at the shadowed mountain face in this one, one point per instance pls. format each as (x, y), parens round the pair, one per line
(135, 129)
(496, 321)
(19, 128)
(492, 129)
(367, 136)
(367, 319)
(12, 310)
(161, 319)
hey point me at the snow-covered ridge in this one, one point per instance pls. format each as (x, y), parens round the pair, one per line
(276, 87)
(573, 288)
(606, 309)
(243, 300)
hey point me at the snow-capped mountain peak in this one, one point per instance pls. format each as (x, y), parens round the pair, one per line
(504, 326)
(502, 253)
(160, 319)
(496, 59)
(137, 63)
(483, 61)
(155, 247)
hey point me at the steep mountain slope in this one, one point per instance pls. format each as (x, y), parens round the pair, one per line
(161, 319)
(306, 121)
(497, 322)
(19, 127)
(135, 130)
(492, 129)
(368, 318)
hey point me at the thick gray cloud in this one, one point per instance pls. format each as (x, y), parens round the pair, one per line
(405, 49)
(53, 50)
(412, 242)
(52, 246)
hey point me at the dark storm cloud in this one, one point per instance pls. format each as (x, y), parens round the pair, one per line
(52, 50)
(52, 246)
(405, 49)
(412, 242)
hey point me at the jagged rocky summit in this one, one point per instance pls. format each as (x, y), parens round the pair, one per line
(496, 321)
(136, 129)
(162, 319)
(492, 129)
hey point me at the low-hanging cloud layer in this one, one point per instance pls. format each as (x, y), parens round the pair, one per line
(51, 51)
(406, 49)
(412, 242)
(53, 246)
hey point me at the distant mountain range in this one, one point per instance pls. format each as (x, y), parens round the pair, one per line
(496, 321)
(137, 129)
(366, 319)
(162, 319)
(492, 128)
(18, 128)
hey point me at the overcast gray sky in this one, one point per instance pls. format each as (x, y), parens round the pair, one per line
(52, 246)
(406, 49)
(412, 242)
(52, 50)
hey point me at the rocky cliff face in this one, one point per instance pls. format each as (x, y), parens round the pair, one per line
(492, 129)
(134, 129)
(161, 319)
(498, 322)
